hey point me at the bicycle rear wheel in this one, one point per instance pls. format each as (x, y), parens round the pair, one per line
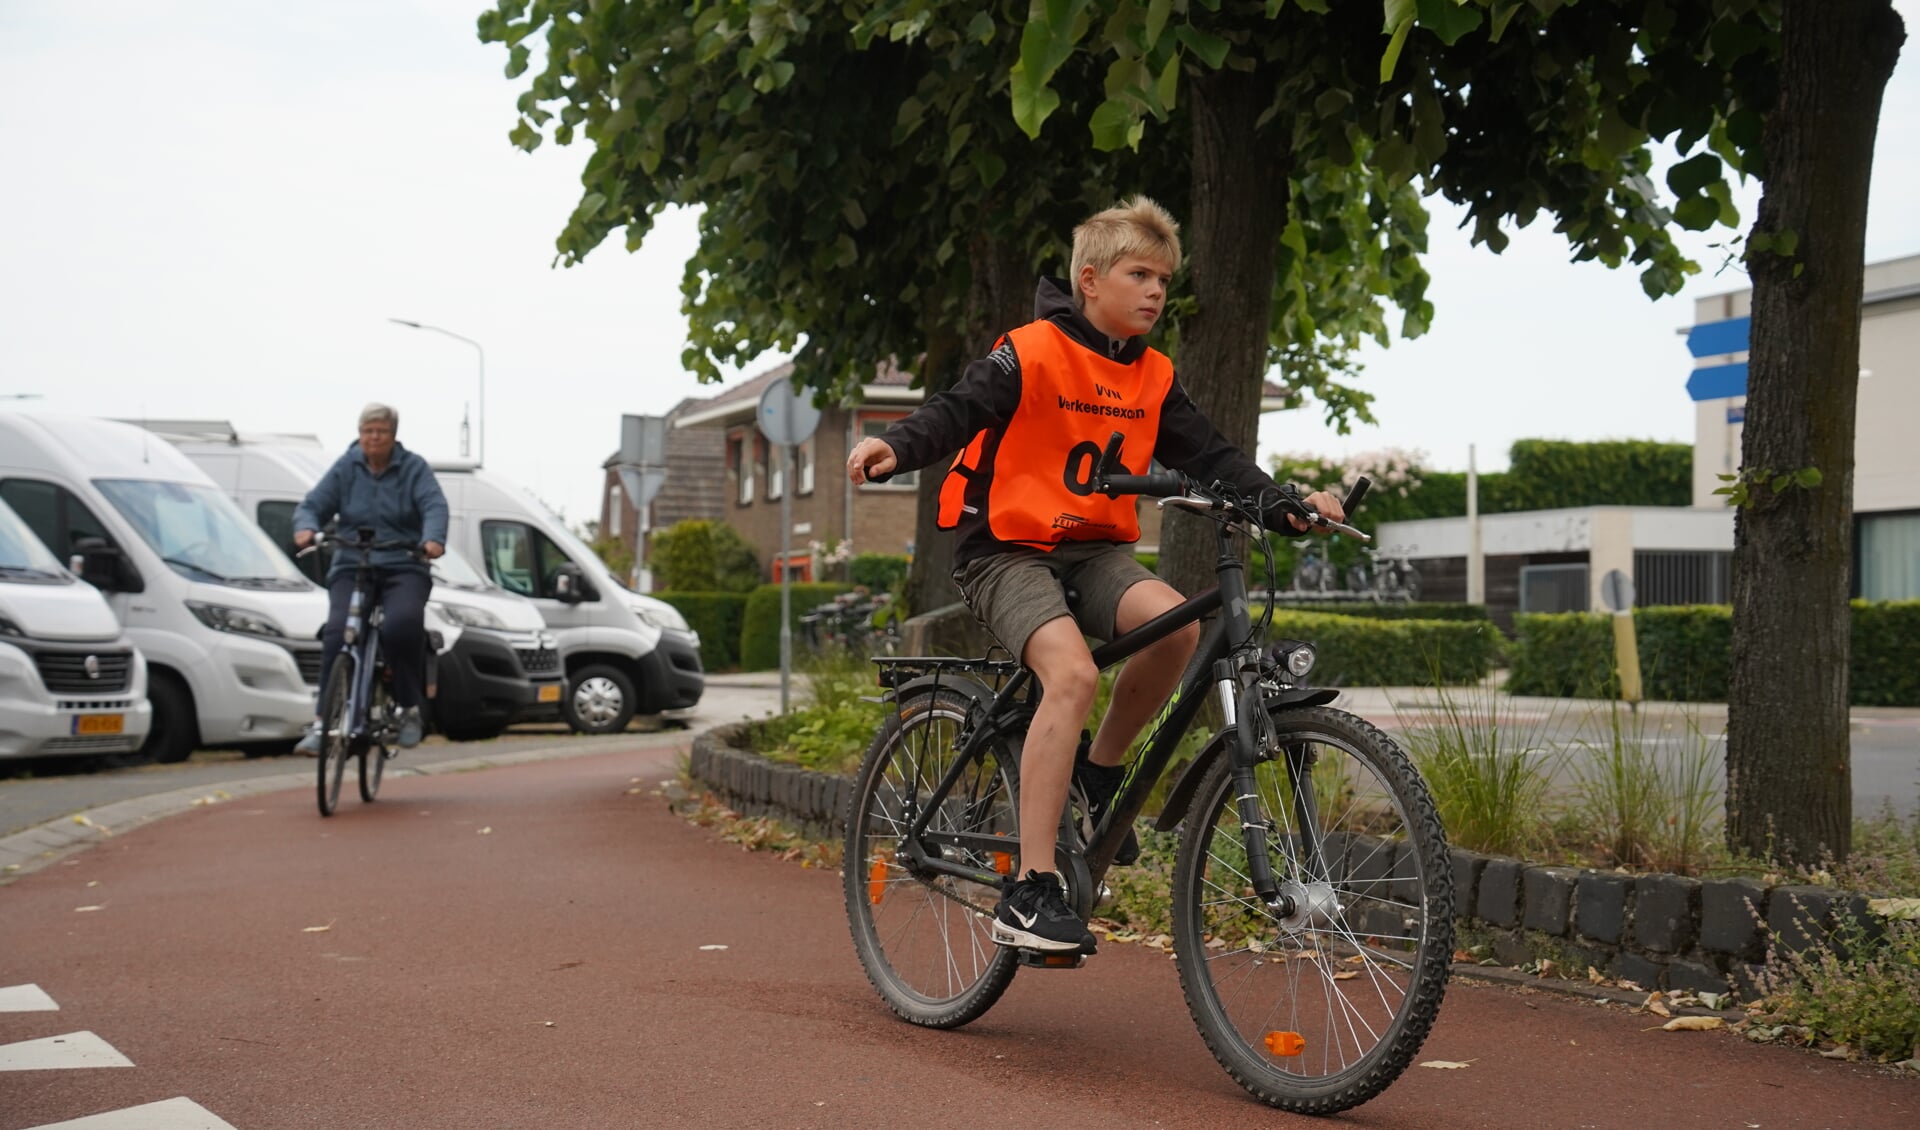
(335, 746)
(1321, 1010)
(923, 938)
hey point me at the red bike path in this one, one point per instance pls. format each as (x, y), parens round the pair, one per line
(537, 946)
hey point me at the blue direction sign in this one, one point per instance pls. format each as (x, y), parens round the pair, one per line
(1710, 339)
(1716, 382)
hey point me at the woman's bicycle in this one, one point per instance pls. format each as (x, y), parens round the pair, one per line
(358, 715)
(1312, 887)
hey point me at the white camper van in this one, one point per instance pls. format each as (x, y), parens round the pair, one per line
(625, 653)
(498, 664)
(70, 682)
(230, 629)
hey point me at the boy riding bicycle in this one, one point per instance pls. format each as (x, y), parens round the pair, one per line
(1039, 557)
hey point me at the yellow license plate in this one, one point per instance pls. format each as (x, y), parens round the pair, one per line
(99, 723)
(550, 693)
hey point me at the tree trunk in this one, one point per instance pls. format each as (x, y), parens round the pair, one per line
(1232, 242)
(999, 298)
(1789, 786)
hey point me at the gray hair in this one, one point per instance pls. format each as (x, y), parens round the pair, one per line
(377, 412)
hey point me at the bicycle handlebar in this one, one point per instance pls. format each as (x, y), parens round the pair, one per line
(1176, 490)
(368, 545)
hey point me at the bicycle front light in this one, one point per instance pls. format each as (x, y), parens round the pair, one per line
(240, 621)
(469, 616)
(1300, 659)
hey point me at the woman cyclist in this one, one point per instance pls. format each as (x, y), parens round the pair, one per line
(379, 484)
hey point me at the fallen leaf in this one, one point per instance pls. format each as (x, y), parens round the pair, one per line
(318, 929)
(1905, 909)
(1910, 1064)
(1630, 986)
(1447, 1064)
(1356, 959)
(1713, 1000)
(1345, 975)
(93, 882)
(1658, 1006)
(1595, 976)
(1462, 955)
(84, 909)
(547, 1023)
(1548, 968)
(1838, 1051)
(713, 947)
(486, 831)
(1693, 1024)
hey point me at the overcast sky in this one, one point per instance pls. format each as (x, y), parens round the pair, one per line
(211, 210)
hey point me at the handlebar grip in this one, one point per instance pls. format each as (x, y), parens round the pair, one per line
(1153, 486)
(1111, 456)
(1354, 496)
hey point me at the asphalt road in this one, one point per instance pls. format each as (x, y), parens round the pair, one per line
(548, 945)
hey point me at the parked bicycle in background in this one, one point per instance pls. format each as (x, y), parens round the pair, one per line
(1385, 576)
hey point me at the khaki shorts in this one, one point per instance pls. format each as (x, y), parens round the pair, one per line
(1013, 593)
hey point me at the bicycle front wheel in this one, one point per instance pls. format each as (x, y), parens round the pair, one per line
(923, 937)
(381, 718)
(335, 746)
(1320, 1009)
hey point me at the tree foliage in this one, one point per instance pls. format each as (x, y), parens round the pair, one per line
(697, 555)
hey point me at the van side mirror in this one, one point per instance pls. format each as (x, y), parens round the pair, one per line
(569, 585)
(103, 566)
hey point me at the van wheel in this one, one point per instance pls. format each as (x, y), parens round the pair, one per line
(175, 729)
(600, 701)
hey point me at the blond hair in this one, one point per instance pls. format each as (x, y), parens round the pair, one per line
(1136, 227)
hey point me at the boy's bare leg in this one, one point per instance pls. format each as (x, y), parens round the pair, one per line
(1058, 655)
(1147, 679)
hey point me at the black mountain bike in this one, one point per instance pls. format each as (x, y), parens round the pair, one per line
(358, 715)
(1312, 887)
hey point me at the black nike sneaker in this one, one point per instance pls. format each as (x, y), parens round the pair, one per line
(1033, 914)
(1097, 785)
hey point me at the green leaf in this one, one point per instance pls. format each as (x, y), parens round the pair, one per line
(1503, 12)
(1785, 241)
(1157, 12)
(1782, 482)
(1808, 477)
(1697, 213)
(1032, 102)
(517, 61)
(1168, 85)
(1391, 56)
(1693, 175)
(989, 165)
(855, 216)
(1448, 19)
(1109, 125)
(980, 29)
(590, 206)
(1211, 48)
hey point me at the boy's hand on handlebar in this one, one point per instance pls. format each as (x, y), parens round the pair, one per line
(871, 456)
(433, 549)
(1326, 505)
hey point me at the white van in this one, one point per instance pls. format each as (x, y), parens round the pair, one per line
(497, 663)
(230, 629)
(70, 682)
(625, 653)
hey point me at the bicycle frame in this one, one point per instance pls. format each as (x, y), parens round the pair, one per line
(1225, 661)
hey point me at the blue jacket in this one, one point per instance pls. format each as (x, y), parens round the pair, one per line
(401, 503)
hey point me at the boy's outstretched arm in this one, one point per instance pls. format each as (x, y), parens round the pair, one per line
(1189, 442)
(984, 397)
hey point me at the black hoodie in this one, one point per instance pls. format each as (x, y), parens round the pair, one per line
(985, 397)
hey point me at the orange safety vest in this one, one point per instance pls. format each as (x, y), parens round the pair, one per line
(1071, 400)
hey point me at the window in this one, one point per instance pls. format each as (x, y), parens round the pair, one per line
(276, 518)
(521, 559)
(1889, 556)
(870, 427)
(799, 569)
(54, 513)
(776, 457)
(803, 468)
(1553, 588)
(740, 467)
(1682, 576)
(616, 502)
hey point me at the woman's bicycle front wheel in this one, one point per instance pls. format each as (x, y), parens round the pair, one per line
(381, 718)
(335, 746)
(924, 937)
(1320, 1009)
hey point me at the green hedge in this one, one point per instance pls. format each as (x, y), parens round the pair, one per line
(878, 571)
(1358, 652)
(717, 617)
(1406, 610)
(700, 555)
(1685, 650)
(760, 625)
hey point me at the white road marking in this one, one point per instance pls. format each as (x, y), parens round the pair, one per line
(26, 998)
(75, 1049)
(173, 1114)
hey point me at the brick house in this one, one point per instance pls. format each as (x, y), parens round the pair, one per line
(740, 481)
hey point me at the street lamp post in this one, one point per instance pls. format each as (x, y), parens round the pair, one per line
(480, 455)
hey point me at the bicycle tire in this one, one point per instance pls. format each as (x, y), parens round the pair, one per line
(1251, 980)
(335, 747)
(373, 755)
(928, 954)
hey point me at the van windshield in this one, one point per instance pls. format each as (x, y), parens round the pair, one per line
(454, 570)
(201, 534)
(22, 554)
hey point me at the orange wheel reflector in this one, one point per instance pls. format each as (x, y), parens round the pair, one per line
(877, 881)
(1285, 1043)
(1003, 862)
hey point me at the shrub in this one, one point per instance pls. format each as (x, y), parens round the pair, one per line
(1560, 655)
(879, 572)
(1150, 560)
(1862, 992)
(717, 617)
(760, 623)
(1488, 773)
(1886, 653)
(1357, 652)
(832, 731)
(698, 555)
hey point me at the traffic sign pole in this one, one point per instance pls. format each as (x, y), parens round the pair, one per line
(786, 419)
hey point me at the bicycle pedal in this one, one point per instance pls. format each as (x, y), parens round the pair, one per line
(1042, 959)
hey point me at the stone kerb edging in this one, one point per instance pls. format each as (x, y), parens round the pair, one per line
(1658, 931)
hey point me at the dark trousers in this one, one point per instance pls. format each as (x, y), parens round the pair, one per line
(403, 633)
